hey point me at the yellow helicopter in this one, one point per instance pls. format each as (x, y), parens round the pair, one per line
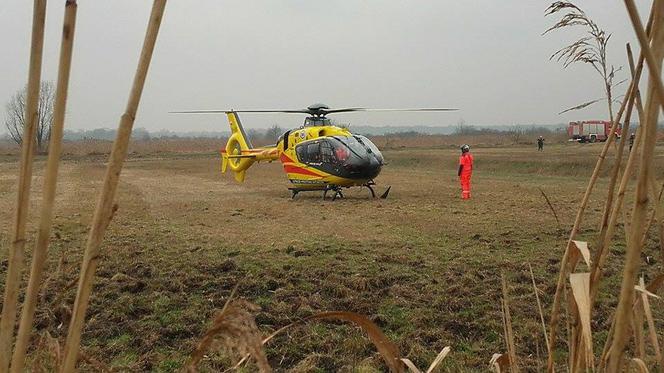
(318, 156)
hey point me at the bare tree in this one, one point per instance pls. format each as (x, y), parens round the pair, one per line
(461, 128)
(273, 133)
(590, 49)
(516, 132)
(15, 121)
(253, 135)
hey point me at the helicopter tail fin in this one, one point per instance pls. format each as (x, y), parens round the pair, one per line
(239, 176)
(238, 154)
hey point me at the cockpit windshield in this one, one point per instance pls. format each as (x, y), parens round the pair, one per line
(372, 148)
(352, 156)
(349, 145)
(333, 150)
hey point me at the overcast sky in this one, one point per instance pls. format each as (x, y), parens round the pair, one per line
(485, 57)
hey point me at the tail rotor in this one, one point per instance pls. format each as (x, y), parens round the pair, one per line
(237, 154)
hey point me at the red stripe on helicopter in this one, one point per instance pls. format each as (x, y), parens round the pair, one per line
(298, 170)
(292, 169)
(284, 158)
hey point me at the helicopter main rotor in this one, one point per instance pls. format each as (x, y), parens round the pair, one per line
(315, 110)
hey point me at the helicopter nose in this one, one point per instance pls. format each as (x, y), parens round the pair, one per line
(373, 170)
(368, 170)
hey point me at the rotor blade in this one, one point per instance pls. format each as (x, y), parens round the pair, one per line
(344, 110)
(411, 109)
(366, 109)
(238, 111)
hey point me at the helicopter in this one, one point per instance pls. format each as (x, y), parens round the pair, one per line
(317, 156)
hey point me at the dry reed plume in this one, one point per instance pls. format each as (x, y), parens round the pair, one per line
(590, 49)
(234, 329)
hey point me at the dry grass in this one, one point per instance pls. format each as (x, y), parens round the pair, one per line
(184, 234)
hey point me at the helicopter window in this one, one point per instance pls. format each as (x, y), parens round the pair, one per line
(341, 153)
(309, 152)
(351, 144)
(337, 150)
(316, 121)
(326, 152)
(313, 152)
(301, 151)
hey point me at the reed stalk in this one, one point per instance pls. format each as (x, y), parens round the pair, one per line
(652, 332)
(638, 330)
(17, 245)
(639, 212)
(604, 239)
(507, 325)
(565, 265)
(615, 171)
(600, 255)
(105, 206)
(657, 214)
(53, 162)
(639, 107)
(539, 308)
(653, 287)
(653, 63)
(605, 226)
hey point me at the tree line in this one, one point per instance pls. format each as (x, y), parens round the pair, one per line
(15, 122)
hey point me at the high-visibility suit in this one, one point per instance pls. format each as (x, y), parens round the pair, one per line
(465, 172)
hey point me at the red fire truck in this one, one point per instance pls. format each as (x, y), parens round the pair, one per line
(590, 130)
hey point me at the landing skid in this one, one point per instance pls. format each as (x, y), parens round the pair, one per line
(338, 191)
(373, 193)
(368, 185)
(335, 188)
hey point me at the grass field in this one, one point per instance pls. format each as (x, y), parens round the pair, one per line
(423, 264)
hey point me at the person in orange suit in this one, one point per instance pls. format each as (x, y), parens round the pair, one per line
(465, 171)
